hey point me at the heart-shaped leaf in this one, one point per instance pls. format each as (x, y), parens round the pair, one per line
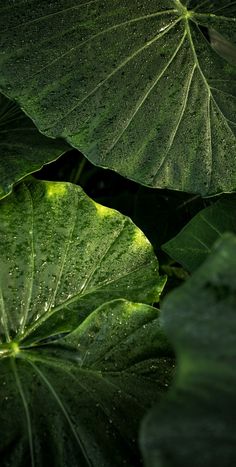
(23, 149)
(77, 401)
(194, 242)
(62, 255)
(195, 424)
(138, 87)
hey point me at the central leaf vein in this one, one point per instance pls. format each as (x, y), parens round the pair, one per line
(64, 411)
(26, 409)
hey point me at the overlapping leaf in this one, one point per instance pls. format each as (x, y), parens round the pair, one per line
(194, 243)
(194, 425)
(73, 363)
(62, 255)
(79, 400)
(137, 87)
(23, 149)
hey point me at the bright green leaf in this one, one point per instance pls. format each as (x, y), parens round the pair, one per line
(135, 85)
(195, 424)
(62, 255)
(194, 243)
(23, 149)
(78, 401)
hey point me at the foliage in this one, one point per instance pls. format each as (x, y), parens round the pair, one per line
(157, 105)
(62, 255)
(69, 396)
(92, 325)
(194, 425)
(194, 243)
(24, 149)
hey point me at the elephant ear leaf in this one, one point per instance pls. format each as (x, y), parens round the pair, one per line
(75, 356)
(23, 148)
(62, 255)
(147, 90)
(78, 400)
(194, 424)
(193, 244)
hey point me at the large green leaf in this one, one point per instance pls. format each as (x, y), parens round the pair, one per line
(195, 241)
(23, 149)
(62, 255)
(195, 424)
(77, 401)
(136, 86)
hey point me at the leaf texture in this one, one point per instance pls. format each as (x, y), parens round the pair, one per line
(194, 424)
(62, 255)
(23, 149)
(78, 400)
(137, 88)
(193, 244)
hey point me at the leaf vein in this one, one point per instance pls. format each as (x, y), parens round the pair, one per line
(4, 317)
(183, 108)
(121, 65)
(98, 264)
(64, 411)
(31, 264)
(145, 96)
(210, 225)
(72, 225)
(26, 408)
(81, 44)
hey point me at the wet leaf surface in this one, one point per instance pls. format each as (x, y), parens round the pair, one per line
(62, 255)
(78, 400)
(136, 87)
(23, 148)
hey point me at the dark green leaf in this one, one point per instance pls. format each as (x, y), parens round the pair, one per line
(137, 87)
(195, 424)
(62, 255)
(221, 45)
(23, 149)
(78, 401)
(194, 243)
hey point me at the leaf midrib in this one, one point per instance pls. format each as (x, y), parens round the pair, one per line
(26, 410)
(73, 299)
(212, 15)
(64, 411)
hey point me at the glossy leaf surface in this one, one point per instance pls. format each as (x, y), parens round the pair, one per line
(137, 87)
(194, 425)
(78, 400)
(195, 241)
(62, 255)
(23, 149)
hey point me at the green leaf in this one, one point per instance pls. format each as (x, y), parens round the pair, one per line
(194, 242)
(195, 424)
(62, 255)
(224, 47)
(78, 401)
(136, 86)
(23, 149)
